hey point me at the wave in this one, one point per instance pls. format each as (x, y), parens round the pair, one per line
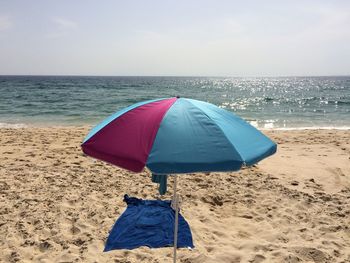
(343, 102)
(268, 125)
(13, 125)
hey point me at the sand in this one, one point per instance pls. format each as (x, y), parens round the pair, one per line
(57, 205)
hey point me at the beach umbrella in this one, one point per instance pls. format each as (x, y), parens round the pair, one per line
(177, 136)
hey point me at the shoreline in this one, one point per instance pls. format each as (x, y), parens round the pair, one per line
(42, 125)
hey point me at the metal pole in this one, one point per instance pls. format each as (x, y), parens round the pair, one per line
(174, 193)
(176, 200)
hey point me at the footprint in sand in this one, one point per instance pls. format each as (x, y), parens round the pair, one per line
(257, 259)
(44, 246)
(14, 257)
(311, 254)
(75, 230)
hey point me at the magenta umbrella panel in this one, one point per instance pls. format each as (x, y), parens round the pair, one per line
(177, 135)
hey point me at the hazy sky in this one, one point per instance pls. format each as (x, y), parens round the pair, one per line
(192, 38)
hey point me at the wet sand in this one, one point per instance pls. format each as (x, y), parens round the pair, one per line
(57, 205)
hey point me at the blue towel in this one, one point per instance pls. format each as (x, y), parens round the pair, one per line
(147, 223)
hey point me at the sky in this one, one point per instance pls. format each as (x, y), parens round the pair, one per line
(175, 38)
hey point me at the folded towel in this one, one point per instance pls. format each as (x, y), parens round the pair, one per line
(148, 223)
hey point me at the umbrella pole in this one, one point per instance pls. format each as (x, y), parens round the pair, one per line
(176, 200)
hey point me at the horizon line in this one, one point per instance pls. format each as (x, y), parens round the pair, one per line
(172, 76)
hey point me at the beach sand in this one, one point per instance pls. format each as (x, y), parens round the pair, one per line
(57, 205)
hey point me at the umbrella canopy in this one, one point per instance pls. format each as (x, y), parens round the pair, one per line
(177, 135)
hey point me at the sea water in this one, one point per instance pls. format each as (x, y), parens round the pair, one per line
(281, 102)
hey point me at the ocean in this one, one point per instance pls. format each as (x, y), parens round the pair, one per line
(266, 102)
